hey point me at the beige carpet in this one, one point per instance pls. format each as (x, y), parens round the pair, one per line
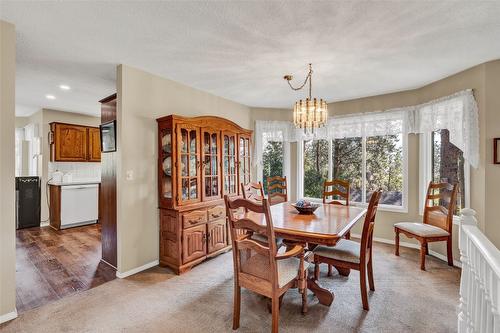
(406, 300)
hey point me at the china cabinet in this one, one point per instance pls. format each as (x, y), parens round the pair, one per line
(200, 160)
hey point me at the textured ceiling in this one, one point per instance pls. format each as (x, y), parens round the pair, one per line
(241, 50)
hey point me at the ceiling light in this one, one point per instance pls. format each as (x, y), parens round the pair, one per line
(310, 113)
(64, 87)
(50, 97)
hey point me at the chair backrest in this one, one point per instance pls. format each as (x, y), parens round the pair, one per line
(243, 246)
(440, 204)
(369, 223)
(277, 190)
(252, 191)
(339, 190)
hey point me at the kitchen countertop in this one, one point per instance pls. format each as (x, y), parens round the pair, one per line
(76, 182)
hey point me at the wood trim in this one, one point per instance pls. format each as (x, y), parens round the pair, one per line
(55, 206)
(207, 121)
(108, 99)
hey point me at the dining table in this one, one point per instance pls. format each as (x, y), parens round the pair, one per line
(325, 226)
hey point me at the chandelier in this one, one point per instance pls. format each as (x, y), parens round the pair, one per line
(310, 113)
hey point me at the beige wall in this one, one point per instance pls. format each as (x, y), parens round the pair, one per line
(43, 118)
(7, 173)
(143, 97)
(485, 180)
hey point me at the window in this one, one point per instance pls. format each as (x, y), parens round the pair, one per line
(384, 168)
(383, 159)
(447, 165)
(347, 164)
(272, 161)
(19, 151)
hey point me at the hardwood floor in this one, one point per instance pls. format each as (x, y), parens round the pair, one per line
(51, 264)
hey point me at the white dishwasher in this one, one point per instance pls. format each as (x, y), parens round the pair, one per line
(79, 205)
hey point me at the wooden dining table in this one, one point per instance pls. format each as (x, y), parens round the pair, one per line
(326, 226)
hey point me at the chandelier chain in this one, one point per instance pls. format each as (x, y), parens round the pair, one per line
(308, 78)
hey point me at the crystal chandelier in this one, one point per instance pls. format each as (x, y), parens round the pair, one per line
(310, 113)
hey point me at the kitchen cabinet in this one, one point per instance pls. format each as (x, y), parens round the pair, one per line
(200, 160)
(74, 143)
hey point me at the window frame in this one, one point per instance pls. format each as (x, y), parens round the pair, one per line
(425, 174)
(384, 207)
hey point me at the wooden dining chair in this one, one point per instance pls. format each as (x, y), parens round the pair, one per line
(338, 189)
(348, 254)
(252, 191)
(437, 223)
(258, 266)
(277, 191)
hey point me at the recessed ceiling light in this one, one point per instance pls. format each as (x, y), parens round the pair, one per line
(50, 97)
(64, 87)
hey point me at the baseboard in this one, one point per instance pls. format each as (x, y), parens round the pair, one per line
(44, 224)
(137, 269)
(8, 316)
(456, 263)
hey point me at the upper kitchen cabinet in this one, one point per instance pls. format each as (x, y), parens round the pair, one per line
(74, 143)
(94, 148)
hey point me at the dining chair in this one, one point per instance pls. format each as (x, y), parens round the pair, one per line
(259, 267)
(277, 191)
(252, 191)
(338, 189)
(437, 222)
(348, 254)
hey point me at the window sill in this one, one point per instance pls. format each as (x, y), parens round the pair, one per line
(381, 207)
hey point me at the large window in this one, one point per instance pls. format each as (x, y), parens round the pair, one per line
(380, 158)
(447, 164)
(272, 161)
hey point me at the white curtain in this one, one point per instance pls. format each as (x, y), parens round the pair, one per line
(457, 113)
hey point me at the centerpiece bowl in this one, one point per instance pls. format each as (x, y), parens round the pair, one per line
(305, 207)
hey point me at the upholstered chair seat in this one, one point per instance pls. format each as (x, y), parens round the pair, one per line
(258, 265)
(421, 229)
(345, 250)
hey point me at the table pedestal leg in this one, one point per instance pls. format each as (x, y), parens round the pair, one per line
(343, 271)
(324, 296)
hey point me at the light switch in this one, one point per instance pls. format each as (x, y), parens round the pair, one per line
(129, 175)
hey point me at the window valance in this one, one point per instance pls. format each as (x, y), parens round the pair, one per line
(457, 113)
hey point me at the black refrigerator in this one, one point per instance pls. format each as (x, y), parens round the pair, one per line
(28, 201)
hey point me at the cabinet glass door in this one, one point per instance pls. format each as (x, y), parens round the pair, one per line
(189, 164)
(229, 164)
(210, 160)
(166, 163)
(244, 152)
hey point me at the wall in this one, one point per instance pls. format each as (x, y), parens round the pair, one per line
(7, 173)
(143, 97)
(43, 118)
(485, 180)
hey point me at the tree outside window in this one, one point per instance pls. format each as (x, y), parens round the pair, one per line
(272, 161)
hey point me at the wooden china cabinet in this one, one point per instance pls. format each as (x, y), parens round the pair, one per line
(199, 160)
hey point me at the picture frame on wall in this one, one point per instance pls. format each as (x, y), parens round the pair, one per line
(496, 150)
(108, 136)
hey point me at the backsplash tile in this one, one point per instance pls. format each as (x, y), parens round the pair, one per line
(78, 170)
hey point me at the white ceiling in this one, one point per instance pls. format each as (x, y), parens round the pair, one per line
(241, 50)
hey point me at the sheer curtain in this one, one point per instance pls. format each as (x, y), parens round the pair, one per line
(457, 113)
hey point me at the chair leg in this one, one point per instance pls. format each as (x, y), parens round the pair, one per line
(316, 270)
(348, 235)
(276, 314)
(236, 310)
(364, 292)
(423, 250)
(304, 297)
(397, 241)
(449, 247)
(330, 273)
(370, 274)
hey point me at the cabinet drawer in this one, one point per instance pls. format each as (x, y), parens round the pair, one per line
(194, 218)
(216, 213)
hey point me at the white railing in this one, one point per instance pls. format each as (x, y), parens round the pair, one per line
(480, 282)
